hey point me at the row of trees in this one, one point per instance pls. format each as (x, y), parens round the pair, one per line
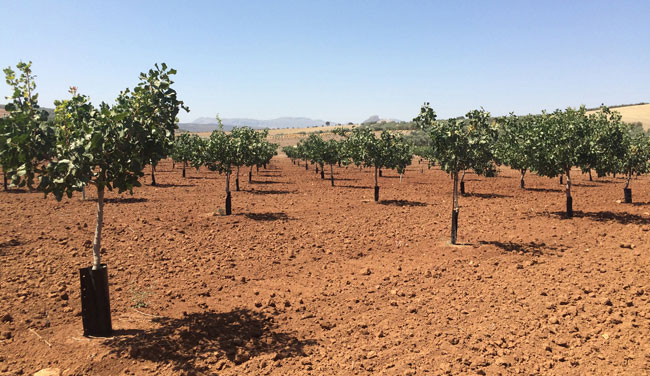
(359, 146)
(550, 144)
(225, 152)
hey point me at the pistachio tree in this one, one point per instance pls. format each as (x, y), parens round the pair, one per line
(635, 160)
(458, 145)
(364, 148)
(515, 145)
(220, 154)
(157, 109)
(186, 146)
(330, 156)
(25, 134)
(564, 142)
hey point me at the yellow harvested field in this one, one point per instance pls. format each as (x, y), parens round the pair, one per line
(633, 114)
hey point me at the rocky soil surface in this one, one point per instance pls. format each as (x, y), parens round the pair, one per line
(309, 279)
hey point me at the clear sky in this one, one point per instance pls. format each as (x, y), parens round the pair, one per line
(339, 60)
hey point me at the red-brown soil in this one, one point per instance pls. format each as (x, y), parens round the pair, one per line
(306, 279)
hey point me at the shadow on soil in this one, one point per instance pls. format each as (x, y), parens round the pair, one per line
(172, 185)
(532, 247)
(402, 203)
(486, 195)
(353, 186)
(606, 216)
(267, 216)
(268, 182)
(16, 190)
(120, 200)
(201, 177)
(270, 192)
(543, 189)
(196, 340)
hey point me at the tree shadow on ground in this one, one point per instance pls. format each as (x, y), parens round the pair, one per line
(543, 189)
(270, 192)
(17, 190)
(172, 185)
(268, 182)
(123, 200)
(640, 203)
(530, 247)
(196, 340)
(402, 203)
(267, 216)
(607, 216)
(353, 186)
(486, 195)
(201, 177)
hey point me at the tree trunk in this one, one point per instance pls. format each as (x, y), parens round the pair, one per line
(523, 183)
(561, 182)
(306, 165)
(400, 178)
(332, 174)
(97, 243)
(316, 168)
(237, 180)
(250, 175)
(83, 193)
(228, 200)
(590, 177)
(257, 168)
(153, 175)
(380, 174)
(322, 172)
(627, 192)
(184, 165)
(462, 184)
(454, 211)
(339, 163)
(569, 199)
(376, 184)
(265, 166)
(173, 164)
(4, 180)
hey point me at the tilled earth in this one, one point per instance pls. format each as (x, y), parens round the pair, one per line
(309, 279)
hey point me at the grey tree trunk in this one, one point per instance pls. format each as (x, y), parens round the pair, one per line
(332, 174)
(97, 244)
(569, 199)
(376, 183)
(153, 175)
(523, 183)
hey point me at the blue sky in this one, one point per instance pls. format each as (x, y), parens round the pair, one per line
(339, 60)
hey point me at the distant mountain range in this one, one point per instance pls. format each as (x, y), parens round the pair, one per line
(205, 124)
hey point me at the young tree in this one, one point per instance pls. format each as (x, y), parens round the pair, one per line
(330, 155)
(564, 143)
(104, 147)
(185, 148)
(366, 149)
(98, 147)
(158, 108)
(315, 147)
(458, 145)
(220, 154)
(635, 161)
(516, 143)
(26, 136)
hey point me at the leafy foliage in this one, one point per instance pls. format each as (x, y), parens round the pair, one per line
(26, 136)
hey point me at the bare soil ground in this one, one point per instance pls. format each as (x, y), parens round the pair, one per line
(306, 279)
